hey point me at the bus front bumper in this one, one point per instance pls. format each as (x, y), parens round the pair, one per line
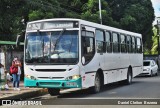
(53, 83)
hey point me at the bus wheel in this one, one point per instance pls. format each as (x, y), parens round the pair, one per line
(97, 84)
(157, 73)
(129, 77)
(151, 75)
(53, 91)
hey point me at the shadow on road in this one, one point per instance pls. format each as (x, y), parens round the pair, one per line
(86, 92)
(146, 76)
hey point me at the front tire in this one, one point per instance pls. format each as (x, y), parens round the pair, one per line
(53, 91)
(97, 84)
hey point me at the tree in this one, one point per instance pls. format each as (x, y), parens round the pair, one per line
(9, 12)
(70, 8)
(16, 13)
(91, 12)
(40, 9)
(155, 38)
(134, 15)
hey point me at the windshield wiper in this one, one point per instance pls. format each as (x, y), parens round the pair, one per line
(71, 45)
(59, 36)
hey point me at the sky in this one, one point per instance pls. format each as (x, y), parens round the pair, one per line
(156, 5)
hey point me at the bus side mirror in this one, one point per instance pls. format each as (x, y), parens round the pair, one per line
(83, 60)
(20, 38)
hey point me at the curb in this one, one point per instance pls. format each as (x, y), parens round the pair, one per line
(33, 94)
(26, 95)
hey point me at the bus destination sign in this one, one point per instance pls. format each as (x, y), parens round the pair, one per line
(57, 25)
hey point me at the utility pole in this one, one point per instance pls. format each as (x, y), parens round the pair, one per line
(100, 14)
(158, 32)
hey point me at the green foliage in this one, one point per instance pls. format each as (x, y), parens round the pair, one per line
(91, 13)
(9, 9)
(155, 38)
(154, 46)
(40, 9)
(147, 51)
(128, 22)
(90, 17)
(37, 15)
(132, 15)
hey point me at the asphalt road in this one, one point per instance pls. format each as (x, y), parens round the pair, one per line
(114, 95)
(142, 89)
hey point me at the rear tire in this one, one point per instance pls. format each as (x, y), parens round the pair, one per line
(53, 91)
(151, 75)
(128, 81)
(156, 73)
(97, 84)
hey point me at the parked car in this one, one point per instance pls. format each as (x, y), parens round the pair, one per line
(150, 68)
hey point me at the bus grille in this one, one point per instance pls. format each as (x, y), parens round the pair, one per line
(50, 77)
(49, 83)
(50, 70)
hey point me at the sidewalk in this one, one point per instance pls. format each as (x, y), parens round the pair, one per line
(24, 93)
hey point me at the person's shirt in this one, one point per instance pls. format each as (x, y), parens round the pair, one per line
(19, 70)
(17, 64)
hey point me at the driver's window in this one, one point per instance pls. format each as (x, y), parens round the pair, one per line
(88, 49)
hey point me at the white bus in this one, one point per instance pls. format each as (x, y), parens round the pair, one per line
(73, 53)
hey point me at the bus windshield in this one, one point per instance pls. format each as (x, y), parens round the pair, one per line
(56, 47)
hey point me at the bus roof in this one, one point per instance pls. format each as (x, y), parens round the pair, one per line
(92, 24)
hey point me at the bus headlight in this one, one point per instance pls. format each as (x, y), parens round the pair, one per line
(30, 77)
(74, 77)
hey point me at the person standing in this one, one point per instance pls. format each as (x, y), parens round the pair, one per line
(16, 76)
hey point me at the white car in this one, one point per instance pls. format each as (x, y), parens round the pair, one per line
(150, 68)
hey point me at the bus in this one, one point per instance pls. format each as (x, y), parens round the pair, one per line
(69, 53)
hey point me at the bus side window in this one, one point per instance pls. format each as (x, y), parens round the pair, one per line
(116, 47)
(129, 46)
(100, 44)
(88, 49)
(133, 45)
(108, 41)
(139, 45)
(123, 43)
